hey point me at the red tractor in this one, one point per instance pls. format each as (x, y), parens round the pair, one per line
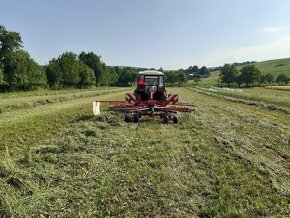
(150, 82)
(149, 99)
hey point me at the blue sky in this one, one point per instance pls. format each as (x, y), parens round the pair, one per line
(171, 34)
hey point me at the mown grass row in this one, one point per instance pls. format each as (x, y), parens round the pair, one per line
(266, 98)
(283, 88)
(217, 162)
(22, 128)
(26, 101)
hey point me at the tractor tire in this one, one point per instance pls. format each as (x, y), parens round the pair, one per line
(128, 119)
(175, 120)
(165, 119)
(163, 96)
(136, 118)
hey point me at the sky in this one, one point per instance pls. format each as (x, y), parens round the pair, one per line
(171, 34)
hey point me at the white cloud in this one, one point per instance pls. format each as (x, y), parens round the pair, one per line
(278, 48)
(273, 29)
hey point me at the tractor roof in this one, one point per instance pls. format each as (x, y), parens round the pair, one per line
(151, 73)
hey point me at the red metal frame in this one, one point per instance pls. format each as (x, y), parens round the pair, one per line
(150, 107)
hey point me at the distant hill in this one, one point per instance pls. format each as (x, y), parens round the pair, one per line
(275, 67)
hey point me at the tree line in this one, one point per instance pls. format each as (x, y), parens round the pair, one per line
(248, 75)
(18, 71)
(176, 77)
(196, 72)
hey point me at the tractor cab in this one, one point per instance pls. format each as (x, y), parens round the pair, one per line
(150, 85)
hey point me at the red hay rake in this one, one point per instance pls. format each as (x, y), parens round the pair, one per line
(135, 108)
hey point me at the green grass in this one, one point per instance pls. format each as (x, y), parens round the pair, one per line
(212, 80)
(274, 67)
(225, 160)
(257, 94)
(22, 100)
(33, 122)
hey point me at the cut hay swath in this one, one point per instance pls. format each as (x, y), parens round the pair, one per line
(284, 88)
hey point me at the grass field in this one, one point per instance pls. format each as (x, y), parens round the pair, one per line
(257, 94)
(212, 80)
(228, 159)
(274, 67)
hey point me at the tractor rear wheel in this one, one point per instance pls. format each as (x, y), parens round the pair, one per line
(163, 96)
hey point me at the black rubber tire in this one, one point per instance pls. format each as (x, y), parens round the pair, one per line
(127, 119)
(165, 119)
(136, 118)
(163, 96)
(175, 120)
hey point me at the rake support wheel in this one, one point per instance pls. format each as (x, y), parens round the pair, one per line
(165, 119)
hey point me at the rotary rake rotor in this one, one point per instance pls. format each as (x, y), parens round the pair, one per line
(135, 108)
(149, 99)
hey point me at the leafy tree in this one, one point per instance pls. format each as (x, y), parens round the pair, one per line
(249, 74)
(1, 77)
(15, 69)
(127, 78)
(228, 74)
(9, 42)
(204, 72)
(269, 78)
(36, 75)
(259, 78)
(69, 66)
(22, 72)
(171, 77)
(282, 78)
(193, 69)
(113, 77)
(69, 71)
(54, 73)
(182, 78)
(94, 62)
(239, 80)
(87, 76)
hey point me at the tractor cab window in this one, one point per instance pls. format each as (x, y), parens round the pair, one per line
(161, 81)
(151, 80)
